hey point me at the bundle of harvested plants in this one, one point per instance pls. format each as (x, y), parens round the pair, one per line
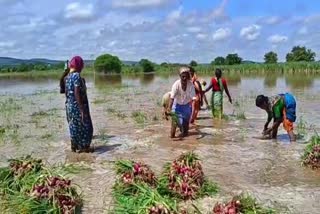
(184, 178)
(242, 204)
(133, 172)
(146, 200)
(311, 156)
(28, 187)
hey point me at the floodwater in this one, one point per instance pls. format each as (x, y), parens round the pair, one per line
(33, 117)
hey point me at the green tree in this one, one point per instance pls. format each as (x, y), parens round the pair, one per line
(107, 63)
(146, 65)
(193, 63)
(298, 54)
(270, 57)
(219, 61)
(233, 59)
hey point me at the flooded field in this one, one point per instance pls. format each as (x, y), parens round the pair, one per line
(127, 120)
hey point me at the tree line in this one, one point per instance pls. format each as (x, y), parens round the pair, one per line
(297, 54)
(25, 67)
(108, 63)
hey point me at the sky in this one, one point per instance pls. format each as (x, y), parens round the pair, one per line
(159, 30)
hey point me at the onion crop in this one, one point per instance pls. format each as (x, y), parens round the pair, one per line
(184, 177)
(133, 172)
(27, 186)
(311, 156)
(243, 204)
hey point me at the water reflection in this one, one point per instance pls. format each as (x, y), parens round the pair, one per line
(27, 84)
(103, 81)
(233, 79)
(299, 81)
(147, 79)
(270, 80)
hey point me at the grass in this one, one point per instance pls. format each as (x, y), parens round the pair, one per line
(9, 109)
(9, 105)
(117, 113)
(241, 69)
(302, 128)
(43, 74)
(47, 136)
(99, 101)
(139, 117)
(40, 114)
(9, 134)
(239, 110)
(72, 169)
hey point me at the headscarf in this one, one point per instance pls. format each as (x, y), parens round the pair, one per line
(184, 69)
(76, 63)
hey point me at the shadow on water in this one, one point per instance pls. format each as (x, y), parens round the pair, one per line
(105, 148)
(103, 137)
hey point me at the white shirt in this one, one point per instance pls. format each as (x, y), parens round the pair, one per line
(180, 96)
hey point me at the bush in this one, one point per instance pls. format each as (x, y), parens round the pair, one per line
(146, 65)
(108, 64)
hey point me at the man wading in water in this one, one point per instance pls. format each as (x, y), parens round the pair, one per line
(282, 108)
(182, 97)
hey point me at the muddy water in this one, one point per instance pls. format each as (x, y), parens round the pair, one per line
(32, 114)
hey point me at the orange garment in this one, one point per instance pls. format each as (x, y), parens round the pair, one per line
(287, 124)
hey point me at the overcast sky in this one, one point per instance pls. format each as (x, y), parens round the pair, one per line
(160, 30)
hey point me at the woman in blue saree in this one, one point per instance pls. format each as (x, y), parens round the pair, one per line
(77, 107)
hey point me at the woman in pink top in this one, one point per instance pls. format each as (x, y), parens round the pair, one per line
(218, 85)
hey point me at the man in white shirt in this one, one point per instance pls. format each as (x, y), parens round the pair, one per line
(182, 95)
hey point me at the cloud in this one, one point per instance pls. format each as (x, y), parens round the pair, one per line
(8, 44)
(139, 4)
(79, 12)
(34, 24)
(277, 39)
(174, 15)
(219, 14)
(201, 36)
(10, 2)
(272, 20)
(251, 32)
(194, 29)
(303, 30)
(157, 29)
(221, 34)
